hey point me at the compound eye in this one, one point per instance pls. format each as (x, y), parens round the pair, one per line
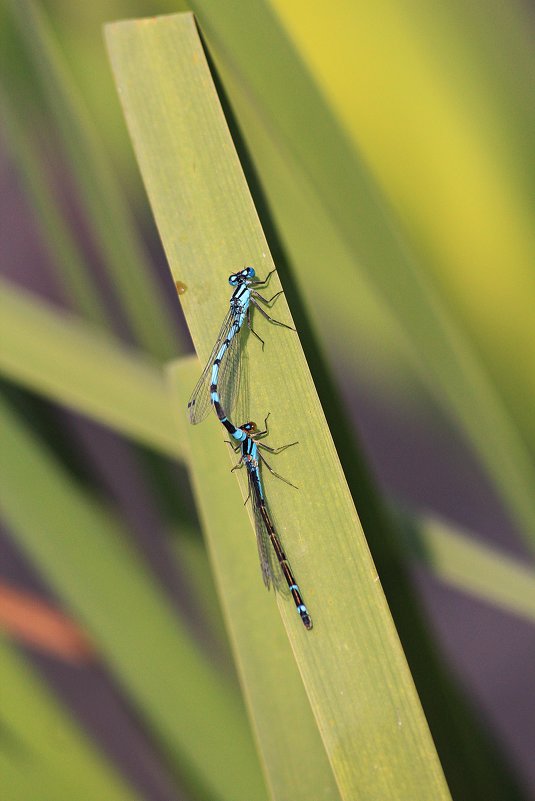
(233, 280)
(250, 272)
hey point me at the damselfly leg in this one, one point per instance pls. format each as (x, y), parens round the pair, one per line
(267, 316)
(267, 301)
(264, 281)
(251, 329)
(271, 470)
(265, 433)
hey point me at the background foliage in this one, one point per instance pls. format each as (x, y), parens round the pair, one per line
(388, 149)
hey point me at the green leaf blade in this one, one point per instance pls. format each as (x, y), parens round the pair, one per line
(63, 358)
(353, 669)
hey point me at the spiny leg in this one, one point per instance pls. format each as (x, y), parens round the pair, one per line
(251, 329)
(276, 474)
(265, 432)
(271, 319)
(267, 301)
(234, 447)
(263, 281)
(276, 450)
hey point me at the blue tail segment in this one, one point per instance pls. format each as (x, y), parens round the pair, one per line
(234, 432)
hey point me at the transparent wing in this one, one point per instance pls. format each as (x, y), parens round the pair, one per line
(200, 402)
(230, 372)
(262, 536)
(269, 565)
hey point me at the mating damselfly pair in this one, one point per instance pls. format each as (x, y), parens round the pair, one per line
(217, 387)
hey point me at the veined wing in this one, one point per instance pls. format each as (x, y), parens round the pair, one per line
(269, 566)
(230, 374)
(262, 536)
(200, 401)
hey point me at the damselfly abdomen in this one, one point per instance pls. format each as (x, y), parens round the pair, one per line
(274, 564)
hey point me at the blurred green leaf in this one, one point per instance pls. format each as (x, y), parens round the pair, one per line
(61, 357)
(104, 209)
(43, 753)
(72, 270)
(367, 711)
(314, 248)
(191, 556)
(82, 551)
(471, 566)
(449, 139)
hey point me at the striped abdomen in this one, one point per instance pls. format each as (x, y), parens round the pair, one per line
(283, 561)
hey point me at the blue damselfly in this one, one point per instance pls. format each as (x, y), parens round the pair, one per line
(220, 377)
(273, 561)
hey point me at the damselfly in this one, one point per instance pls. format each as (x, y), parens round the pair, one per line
(220, 377)
(267, 539)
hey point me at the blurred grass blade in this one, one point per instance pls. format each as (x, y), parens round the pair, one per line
(295, 761)
(73, 273)
(190, 553)
(60, 357)
(120, 244)
(82, 551)
(468, 565)
(353, 669)
(250, 47)
(452, 103)
(43, 753)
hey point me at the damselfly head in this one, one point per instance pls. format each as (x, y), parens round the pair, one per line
(244, 275)
(249, 428)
